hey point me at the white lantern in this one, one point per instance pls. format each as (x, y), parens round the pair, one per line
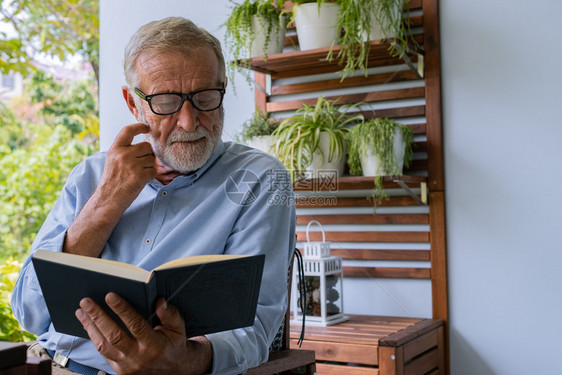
(323, 277)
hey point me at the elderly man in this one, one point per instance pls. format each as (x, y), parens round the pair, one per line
(183, 192)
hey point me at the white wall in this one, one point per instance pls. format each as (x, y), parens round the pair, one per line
(502, 118)
(502, 114)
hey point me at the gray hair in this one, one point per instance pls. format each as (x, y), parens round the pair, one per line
(175, 34)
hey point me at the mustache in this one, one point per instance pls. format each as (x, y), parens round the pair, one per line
(183, 136)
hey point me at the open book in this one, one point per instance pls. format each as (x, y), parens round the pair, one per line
(213, 293)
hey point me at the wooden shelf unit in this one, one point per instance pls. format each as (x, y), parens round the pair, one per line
(285, 81)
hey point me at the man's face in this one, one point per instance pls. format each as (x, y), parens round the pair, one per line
(185, 140)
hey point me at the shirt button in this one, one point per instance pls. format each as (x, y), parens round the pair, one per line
(164, 193)
(147, 241)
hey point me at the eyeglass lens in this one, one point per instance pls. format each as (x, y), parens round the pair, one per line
(206, 100)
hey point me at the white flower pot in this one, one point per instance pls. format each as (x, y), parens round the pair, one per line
(320, 163)
(376, 32)
(263, 143)
(276, 40)
(370, 163)
(316, 29)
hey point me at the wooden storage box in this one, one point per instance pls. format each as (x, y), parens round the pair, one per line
(376, 345)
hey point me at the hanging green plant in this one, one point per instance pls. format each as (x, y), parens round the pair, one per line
(376, 137)
(357, 18)
(240, 34)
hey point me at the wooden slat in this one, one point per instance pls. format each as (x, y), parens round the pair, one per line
(422, 365)
(438, 255)
(362, 219)
(376, 254)
(284, 360)
(334, 67)
(387, 272)
(260, 96)
(417, 128)
(359, 329)
(331, 369)
(342, 352)
(417, 165)
(411, 333)
(433, 94)
(358, 183)
(396, 113)
(368, 97)
(391, 361)
(415, 4)
(422, 344)
(404, 201)
(366, 236)
(420, 146)
(331, 84)
(307, 62)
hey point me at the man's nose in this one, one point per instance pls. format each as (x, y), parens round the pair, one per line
(187, 117)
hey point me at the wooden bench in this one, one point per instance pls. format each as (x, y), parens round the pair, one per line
(14, 360)
(376, 345)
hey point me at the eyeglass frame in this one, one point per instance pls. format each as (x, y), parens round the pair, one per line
(184, 97)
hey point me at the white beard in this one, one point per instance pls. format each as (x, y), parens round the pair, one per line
(184, 151)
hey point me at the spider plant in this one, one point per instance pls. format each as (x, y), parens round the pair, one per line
(260, 124)
(298, 137)
(356, 18)
(240, 33)
(376, 137)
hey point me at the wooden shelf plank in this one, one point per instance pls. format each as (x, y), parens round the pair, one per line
(387, 272)
(359, 182)
(310, 61)
(398, 236)
(366, 219)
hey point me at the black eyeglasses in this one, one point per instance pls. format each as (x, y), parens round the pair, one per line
(170, 103)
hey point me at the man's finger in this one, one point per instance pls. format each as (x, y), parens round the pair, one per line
(136, 324)
(170, 317)
(128, 133)
(142, 149)
(97, 337)
(111, 331)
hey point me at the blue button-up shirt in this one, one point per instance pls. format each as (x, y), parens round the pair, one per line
(239, 202)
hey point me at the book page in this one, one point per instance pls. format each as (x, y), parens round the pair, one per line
(106, 266)
(197, 259)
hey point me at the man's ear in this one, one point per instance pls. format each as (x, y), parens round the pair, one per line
(225, 82)
(128, 96)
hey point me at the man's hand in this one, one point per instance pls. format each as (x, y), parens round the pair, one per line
(160, 350)
(128, 168)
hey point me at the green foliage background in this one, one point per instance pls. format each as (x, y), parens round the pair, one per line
(43, 135)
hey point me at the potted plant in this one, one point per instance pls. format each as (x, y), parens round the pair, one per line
(254, 28)
(379, 147)
(365, 20)
(316, 22)
(314, 138)
(257, 131)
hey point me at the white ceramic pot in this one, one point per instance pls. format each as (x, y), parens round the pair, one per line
(276, 41)
(370, 163)
(320, 163)
(376, 32)
(263, 143)
(316, 29)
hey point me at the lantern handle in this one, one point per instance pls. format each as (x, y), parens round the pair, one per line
(308, 227)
